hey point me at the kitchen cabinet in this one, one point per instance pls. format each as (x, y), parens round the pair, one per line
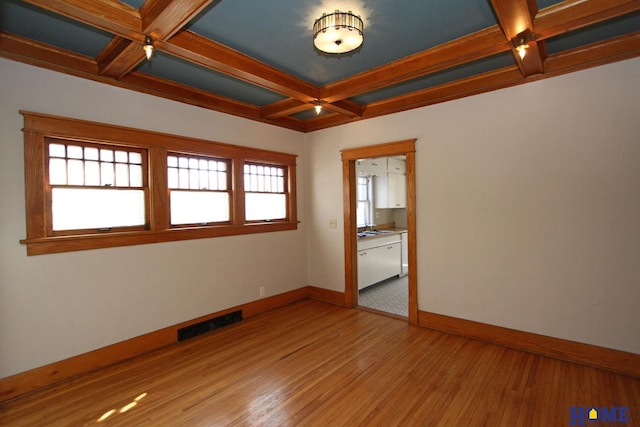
(368, 167)
(391, 191)
(396, 166)
(379, 258)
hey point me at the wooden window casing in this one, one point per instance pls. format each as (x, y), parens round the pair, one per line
(38, 128)
(107, 182)
(200, 176)
(265, 179)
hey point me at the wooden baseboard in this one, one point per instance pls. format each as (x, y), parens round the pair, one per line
(585, 354)
(25, 382)
(599, 357)
(326, 295)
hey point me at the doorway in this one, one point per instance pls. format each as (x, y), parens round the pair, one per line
(349, 157)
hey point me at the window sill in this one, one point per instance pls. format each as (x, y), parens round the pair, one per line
(50, 245)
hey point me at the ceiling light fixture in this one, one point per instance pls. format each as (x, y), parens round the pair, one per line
(318, 107)
(338, 32)
(521, 43)
(148, 47)
(522, 48)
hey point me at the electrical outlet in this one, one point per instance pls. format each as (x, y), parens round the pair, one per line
(262, 291)
(333, 223)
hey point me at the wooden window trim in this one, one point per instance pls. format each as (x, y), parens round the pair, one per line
(286, 188)
(49, 188)
(228, 191)
(38, 126)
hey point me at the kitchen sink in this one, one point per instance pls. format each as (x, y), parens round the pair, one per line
(373, 233)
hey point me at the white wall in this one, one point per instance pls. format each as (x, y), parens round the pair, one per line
(528, 205)
(56, 306)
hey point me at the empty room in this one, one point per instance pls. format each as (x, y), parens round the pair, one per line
(226, 212)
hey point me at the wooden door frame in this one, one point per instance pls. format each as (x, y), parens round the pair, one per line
(349, 157)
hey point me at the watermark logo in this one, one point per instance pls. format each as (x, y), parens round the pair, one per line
(581, 416)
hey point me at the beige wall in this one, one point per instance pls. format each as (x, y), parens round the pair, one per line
(56, 306)
(528, 203)
(528, 206)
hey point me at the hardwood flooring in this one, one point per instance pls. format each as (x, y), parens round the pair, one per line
(312, 363)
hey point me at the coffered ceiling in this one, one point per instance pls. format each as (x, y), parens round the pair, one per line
(256, 59)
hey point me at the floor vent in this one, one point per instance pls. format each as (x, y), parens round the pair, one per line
(209, 325)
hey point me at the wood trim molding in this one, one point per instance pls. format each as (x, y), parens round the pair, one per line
(40, 236)
(28, 381)
(557, 348)
(326, 295)
(349, 156)
(586, 354)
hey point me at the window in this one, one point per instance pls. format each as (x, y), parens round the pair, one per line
(265, 192)
(90, 185)
(94, 187)
(363, 208)
(199, 189)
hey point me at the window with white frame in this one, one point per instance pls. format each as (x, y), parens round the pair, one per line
(363, 208)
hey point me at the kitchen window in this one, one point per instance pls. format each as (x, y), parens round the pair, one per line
(363, 208)
(90, 185)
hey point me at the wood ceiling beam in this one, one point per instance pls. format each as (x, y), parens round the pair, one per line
(515, 16)
(163, 18)
(564, 17)
(608, 51)
(600, 53)
(290, 106)
(167, 89)
(612, 50)
(516, 20)
(457, 52)
(119, 57)
(605, 52)
(345, 107)
(571, 15)
(126, 22)
(290, 123)
(39, 54)
(32, 52)
(327, 121)
(157, 86)
(210, 54)
(112, 16)
(473, 85)
(160, 19)
(283, 108)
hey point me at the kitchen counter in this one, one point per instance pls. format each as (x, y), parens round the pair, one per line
(379, 257)
(366, 235)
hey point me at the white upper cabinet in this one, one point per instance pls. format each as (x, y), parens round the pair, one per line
(368, 167)
(396, 166)
(391, 191)
(391, 185)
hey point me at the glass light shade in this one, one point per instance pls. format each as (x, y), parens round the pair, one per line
(148, 48)
(338, 32)
(522, 50)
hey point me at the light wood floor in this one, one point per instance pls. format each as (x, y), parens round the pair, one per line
(312, 363)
